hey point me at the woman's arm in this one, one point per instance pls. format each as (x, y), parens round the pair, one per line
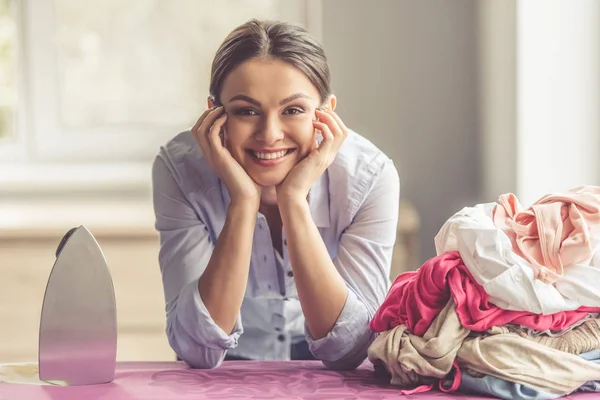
(223, 284)
(340, 297)
(200, 333)
(321, 290)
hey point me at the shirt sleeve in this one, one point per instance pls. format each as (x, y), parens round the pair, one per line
(185, 249)
(363, 260)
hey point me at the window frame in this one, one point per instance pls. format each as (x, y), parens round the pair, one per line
(32, 162)
(13, 148)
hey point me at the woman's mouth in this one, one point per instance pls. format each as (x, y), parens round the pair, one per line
(268, 158)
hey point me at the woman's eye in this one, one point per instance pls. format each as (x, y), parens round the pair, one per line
(245, 112)
(294, 111)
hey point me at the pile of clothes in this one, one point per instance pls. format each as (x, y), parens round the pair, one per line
(509, 307)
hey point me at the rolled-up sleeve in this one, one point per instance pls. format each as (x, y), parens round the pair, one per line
(185, 249)
(363, 260)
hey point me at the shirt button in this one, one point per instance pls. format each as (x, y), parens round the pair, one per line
(290, 274)
(285, 242)
(265, 258)
(281, 338)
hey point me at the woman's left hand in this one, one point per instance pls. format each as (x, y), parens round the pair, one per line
(298, 182)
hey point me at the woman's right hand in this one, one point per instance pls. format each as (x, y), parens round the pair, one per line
(242, 189)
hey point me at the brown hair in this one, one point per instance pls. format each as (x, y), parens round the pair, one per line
(271, 39)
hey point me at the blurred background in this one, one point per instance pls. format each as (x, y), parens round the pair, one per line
(470, 98)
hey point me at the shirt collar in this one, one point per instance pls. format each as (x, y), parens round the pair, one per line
(318, 200)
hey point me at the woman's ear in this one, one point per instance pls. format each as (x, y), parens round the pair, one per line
(331, 102)
(210, 101)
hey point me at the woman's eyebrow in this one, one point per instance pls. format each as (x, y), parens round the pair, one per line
(245, 98)
(257, 103)
(293, 97)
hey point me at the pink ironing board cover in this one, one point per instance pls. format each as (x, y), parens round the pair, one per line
(233, 380)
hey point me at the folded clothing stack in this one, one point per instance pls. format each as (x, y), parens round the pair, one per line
(509, 307)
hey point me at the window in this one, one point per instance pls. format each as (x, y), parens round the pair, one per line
(109, 81)
(8, 92)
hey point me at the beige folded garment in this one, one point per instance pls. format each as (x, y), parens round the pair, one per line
(584, 338)
(416, 360)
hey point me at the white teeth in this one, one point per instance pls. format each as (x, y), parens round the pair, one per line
(270, 156)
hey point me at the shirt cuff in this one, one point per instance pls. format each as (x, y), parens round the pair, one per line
(345, 347)
(197, 322)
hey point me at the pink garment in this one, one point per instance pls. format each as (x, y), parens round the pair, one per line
(455, 380)
(557, 231)
(416, 298)
(418, 389)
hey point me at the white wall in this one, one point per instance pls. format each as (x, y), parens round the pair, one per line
(558, 96)
(405, 73)
(540, 96)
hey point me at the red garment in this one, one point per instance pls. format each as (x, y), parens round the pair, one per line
(416, 298)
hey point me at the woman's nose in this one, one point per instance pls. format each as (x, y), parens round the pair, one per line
(271, 130)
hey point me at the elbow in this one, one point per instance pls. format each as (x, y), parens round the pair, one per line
(345, 347)
(193, 354)
(193, 335)
(354, 357)
(202, 362)
(198, 357)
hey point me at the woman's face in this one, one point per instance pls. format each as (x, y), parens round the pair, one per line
(270, 106)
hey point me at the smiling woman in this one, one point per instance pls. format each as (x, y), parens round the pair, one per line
(264, 120)
(272, 212)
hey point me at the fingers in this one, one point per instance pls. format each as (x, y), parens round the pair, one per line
(200, 120)
(214, 137)
(201, 128)
(326, 117)
(328, 137)
(210, 119)
(196, 126)
(336, 126)
(340, 123)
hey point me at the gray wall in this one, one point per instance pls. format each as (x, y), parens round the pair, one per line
(405, 73)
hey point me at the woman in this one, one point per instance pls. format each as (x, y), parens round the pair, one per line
(276, 222)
